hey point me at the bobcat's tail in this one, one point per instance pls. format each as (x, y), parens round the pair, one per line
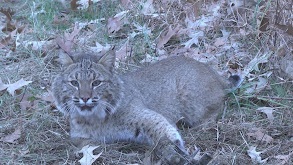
(235, 81)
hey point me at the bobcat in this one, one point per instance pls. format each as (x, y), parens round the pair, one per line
(142, 106)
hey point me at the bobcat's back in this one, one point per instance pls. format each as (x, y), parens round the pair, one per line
(179, 87)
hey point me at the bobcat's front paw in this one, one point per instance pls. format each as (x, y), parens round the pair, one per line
(177, 140)
(171, 152)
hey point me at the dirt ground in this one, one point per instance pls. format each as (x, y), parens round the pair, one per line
(251, 38)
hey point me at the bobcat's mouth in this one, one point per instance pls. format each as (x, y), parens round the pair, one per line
(86, 108)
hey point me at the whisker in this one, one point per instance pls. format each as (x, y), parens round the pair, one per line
(109, 107)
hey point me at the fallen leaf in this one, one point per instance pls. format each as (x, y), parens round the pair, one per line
(194, 39)
(11, 138)
(83, 4)
(197, 156)
(38, 45)
(88, 156)
(2, 85)
(74, 5)
(68, 39)
(20, 83)
(284, 158)
(12, 87)
(7, 40)
(268, 111)
(8, 13)
(255, 156)
(47, 96)
(126, 3)
(149, 58)
(62, 20)
(114, 23)
(140, 30)
(9, 27)
(24, 152)
(100, 48)
(124, 51)
(28, 101)
(253, 64)
(286, 65)
(147, 7)
(222, 40)
(258, 86)
(147, 160)
(166, 35)
(261, 136)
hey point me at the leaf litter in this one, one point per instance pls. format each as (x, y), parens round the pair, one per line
(11, 88)
(88, 156)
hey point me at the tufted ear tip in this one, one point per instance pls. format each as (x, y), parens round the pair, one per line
(65, 59)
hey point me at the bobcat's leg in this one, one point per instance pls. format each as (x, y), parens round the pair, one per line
(165, 136)
(154, 125)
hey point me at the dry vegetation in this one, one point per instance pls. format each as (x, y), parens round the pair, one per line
(252, 38)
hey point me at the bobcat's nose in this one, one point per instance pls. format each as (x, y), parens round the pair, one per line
(85, 99)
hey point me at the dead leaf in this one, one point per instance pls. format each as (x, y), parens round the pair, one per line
(197, 156)
(115, 23)
(194, 39)
(7, 41)
(147, 160)
(39, 45)
(255, 156)
(284, 158)
(268, 111)
(140, 30)
(84, 4)
(62, 20)
(147, 7)
(222, 40)
(4, 42)
(11, 138)
(166, 35)
(126, 3)
(285, 28)
(74, 5)
(28, 101)
(8, 13)
(68, 41)
(47, 96)
(12, 87)
(258, 86)
(261, 136)
(100, 48)
(88, 156)
(124, 51)
(254, 63)
(24, 152)
(9, 27)
(149, 58)
(2, 85)
(286, 65)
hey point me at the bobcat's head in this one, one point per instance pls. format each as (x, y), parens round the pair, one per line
(87, 86)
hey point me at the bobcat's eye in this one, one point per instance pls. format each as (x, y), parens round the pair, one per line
(96, 83)
(74, 83)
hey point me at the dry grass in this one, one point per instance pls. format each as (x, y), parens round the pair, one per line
(256, 31)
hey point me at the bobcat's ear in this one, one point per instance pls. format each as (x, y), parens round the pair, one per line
(65, 59)
(108, 60)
